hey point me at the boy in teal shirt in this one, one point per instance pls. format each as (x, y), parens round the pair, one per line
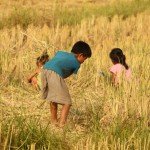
(61, 66)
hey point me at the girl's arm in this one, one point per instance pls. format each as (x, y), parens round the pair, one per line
(34, 74)
(113, 77)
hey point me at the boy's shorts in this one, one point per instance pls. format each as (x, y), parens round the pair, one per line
(54, 88)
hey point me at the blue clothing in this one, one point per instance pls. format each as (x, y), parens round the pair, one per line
(63, 63)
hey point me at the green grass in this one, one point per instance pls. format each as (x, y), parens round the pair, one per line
(124, 9)
(21, 132)
(26, 16)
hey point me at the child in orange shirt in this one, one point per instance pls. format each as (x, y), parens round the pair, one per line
(35, 77)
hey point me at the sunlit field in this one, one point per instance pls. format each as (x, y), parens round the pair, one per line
(102, 116)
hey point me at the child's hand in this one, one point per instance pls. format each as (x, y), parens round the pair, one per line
(29, 80)
(34, 74)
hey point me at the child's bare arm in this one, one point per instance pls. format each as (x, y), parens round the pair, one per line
(33, 74)
(113, 76)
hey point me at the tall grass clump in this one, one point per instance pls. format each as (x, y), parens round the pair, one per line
(23, 133)
(19, 16)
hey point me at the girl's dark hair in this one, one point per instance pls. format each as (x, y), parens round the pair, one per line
(82, 47)
(117, 56)
(43, 58)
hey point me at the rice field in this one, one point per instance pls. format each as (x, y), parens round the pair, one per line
(102, 117)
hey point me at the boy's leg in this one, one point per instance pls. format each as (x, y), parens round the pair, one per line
(53, 109)
(64, 114)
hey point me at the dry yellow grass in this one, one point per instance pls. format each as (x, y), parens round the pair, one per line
(92, 94)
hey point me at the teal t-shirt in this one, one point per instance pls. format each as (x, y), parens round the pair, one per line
(63, 63)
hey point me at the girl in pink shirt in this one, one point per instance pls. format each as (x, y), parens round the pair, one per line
(120, 67)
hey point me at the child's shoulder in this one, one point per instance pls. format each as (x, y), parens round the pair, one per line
(64, 54)
(60, 52)
(116, 67)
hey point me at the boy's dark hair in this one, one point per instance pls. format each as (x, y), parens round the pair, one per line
(43, 58)
(117, 56)
(82, 47)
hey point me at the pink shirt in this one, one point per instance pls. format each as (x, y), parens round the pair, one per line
(118, 70)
